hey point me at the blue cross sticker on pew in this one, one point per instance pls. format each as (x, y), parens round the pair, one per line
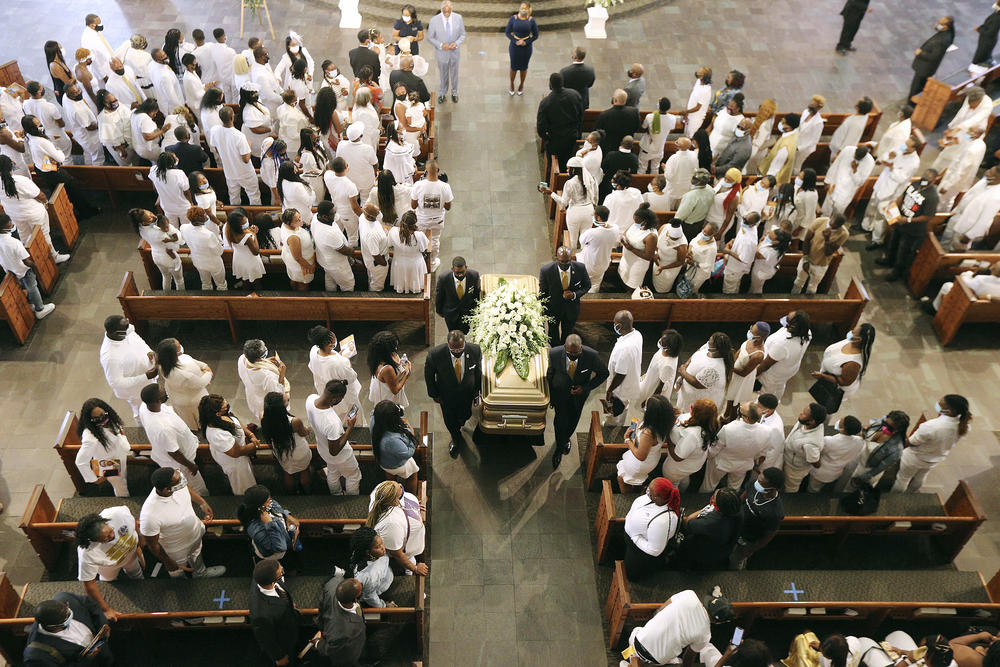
(792, 591)
(222, 599)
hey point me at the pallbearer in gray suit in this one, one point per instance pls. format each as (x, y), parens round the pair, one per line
(446, 32)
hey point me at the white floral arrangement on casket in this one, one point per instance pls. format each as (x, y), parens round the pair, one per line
(510, 326)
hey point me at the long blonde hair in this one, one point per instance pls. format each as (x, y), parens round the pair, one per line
(385, 500)
(767, 110)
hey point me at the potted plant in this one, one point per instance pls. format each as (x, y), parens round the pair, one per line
(597, 16)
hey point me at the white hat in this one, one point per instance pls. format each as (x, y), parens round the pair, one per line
(575, 162)
(675, 232)
(251, 87)
(355, 130)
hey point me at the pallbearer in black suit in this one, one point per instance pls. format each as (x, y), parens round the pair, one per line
(273, 616)
(574, 371)
(457, 294)
(454, 375)
(561, 284)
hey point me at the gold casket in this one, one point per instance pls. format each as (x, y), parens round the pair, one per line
(510, 404)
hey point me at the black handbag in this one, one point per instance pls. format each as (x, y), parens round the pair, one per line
(674, 543)
(828, 394)
(862, 501)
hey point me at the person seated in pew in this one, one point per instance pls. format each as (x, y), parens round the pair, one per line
(395, 516)
(838, 452)
(644, 440)
(172, 530)
(393, 444)
(274, 617)
(369, 564)
(711, 533)
(104, 449)
(684, 621)
(64, 627)
(106, 544)
(985, 287)
(650, 524)
(763, 511)
(230, 442)
(273, 532)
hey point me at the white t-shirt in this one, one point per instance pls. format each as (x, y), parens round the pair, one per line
(392, 527)
(327, 426)
(171, 190)
(167, 433)
(24, 206)
(361, 162)
(91, 449)
(12, 255)
(232, 146)
(328, 239)
(838, 451)
(787, 352)
(173, 519)
(687, 446)
(142, 123)
(682, 623)
(255, 117)
(431, 196)
(221, 441)
(204, 243)
(626, 359)
(342, 190)
(109, 554)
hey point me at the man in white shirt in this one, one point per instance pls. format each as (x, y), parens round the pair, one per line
(127, 361)
(206, 249)
(682, 622)
(739, 447)
(961, 172)
(430, 198)
(847, 175)
(973, 217)
(753, 198)
(145, 135)
(374, 247)
(678, 170)
(262, 74)
(596, 245)
(169, 95)
(698, 102)
(838, 452)
(133, 54)
(973, 114)
(343, 476)
(234, 150)
(625, 368)
(931, 442)
(361, 160)
(850, 131)
(985, 287)
(900, 167)
(203, 52)
(222, 56)
(344, 194)
(172, 443)
(123, 83)
(14, 258)
(774, 452)
(81, 121)
(896, 134)
(332, 250)
(740, 254)
(50, 115)
(107, 543)
(93, 40)
(172, 530)
(810, 130)
(803, 446)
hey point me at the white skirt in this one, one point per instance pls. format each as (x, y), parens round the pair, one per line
(405, 470)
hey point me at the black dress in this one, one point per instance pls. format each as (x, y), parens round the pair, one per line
(59, 87)
(409, 30)
(932, 52)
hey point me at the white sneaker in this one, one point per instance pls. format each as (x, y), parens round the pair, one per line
(61, 257)
(45, 311)
(339, 572)
(211, 572)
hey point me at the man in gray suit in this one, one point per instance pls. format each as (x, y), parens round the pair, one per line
(636, 85)
(341, 623)
(446, 32)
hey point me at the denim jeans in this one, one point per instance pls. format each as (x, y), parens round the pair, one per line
(30, 283)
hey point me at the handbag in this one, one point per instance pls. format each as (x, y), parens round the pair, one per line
(674, 543)
(828, 394)
(862, 501)
(683, 286)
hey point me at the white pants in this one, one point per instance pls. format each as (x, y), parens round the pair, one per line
(769, 385)
(578, 219)
(713, 475)
(247, 183)
(134, 403)
(596, 274)
(339, 277)
(350, 472)
(801, 156)
(120, 484)
(349, 223)
(93, 150)
(912, 472)
(192, 559)
(760, 274)
(171, 269)
(945, 288)
(699, 278)
(732, 276)
(433, 238)
(794, 476)
(948, 235)
(131, 567)
(211, 270)
(376, 276)
(814, 274)
(194, 480)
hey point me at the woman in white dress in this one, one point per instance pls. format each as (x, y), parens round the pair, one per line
(671, 254)
(399, 156)
(172, 187)
(770, 250)
(230, 442)
(104, 449)
(845, 362)
(638, 247)
(242, 238)
(725, 124)
(806, 201)
(164, 241)
(707, 373)
(184, 378)
(578, 198)
(364, 112)
(208, 114)
(293, 190)
(662, 370)
(702, 251)
(313, 162)
(687, 447)
(783, 352)
(287, 435)
(657, 199)
(389, 371)
(409, 262)
(644, 440)
(748, 358)
(273, 153)
(391, 198)
(409, 129)
(205, 197)
(297, 250)
(622, 201)
(327, 363)
(256, 119)
(25, 203)
(592, 154)
(294, 49)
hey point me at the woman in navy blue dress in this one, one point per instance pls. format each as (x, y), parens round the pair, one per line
(522, 31)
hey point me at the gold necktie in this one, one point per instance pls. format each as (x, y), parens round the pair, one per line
(572, 369)
(565, 279)
(458, 369)
(460, 289)
(135, 91)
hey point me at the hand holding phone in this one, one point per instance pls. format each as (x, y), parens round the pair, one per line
(353, 412)
(737, 637)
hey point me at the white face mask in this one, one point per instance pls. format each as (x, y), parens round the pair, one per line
(407, 19)
(723, 186)
(294, 49)
(332, 74)
(798, 183)
(739, 133)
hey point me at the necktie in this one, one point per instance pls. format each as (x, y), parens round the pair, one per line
(111, 52)
(447, 31)
(460, 289)
(138, 97)
(565, 279)
(572, 369)
(458, 369)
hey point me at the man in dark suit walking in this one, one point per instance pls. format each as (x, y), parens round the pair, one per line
(453, 373)
(273, 615)
(362, 55)
(560, 114)
(64, 626)
(561, 284)
(574, 371)
(457, 294)
(853, 12)
(341, 624)
(579, 76)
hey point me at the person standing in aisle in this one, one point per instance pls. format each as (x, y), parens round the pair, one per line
(457, 294)
(453, 373)
(853, 12)
(128, 362)
(446, 32)
(931, 443)
(561, 285)
(574, 371)
(988, 31)
(430, 198)
(930, 54)
(522, 31)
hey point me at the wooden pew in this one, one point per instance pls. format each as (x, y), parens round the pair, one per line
(941, 594)
(843, 312)
(67, 446)
(232, 307)
(960, 306)
(959, 516)
(62, 217)
(10, 73)
(933, 264)
(936, 95)
(41, 254)
(15, 309)
(176, 600)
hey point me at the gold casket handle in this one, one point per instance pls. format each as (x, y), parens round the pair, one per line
(522, 418)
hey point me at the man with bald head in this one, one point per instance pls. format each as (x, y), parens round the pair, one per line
(575, 370)
(679, 169)
(167, 87)
(737, 152)
(625, 368)
(342, 634)
(122, 82)
(636, 85)
(405, 76)
(618, 121)
(561, 285)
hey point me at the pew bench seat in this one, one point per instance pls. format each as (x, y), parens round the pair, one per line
(961, 306)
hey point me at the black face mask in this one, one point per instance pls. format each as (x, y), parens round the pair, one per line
(75, 98)
(564, 267)
(3, 124)
(457, 354)
(572, 357)
(119, 72)
(99, 28)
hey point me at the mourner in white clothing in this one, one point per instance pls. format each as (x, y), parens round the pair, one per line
(234, 149)
(774, 455)
(193, 86)
(753, 198)
(344, 194)
(409, 255)
(260, 374)
(838, 452)
(931, 443)
(651, 522)
(702, 251)
(622, 201)
(671, 256)
(698, 102)
(374, 247)
(972, 219)
(850, 131)
(205, 244)
(973, 114)
(223, 56)
(172, 442)
(900, 165)
(783, 352)
(638, 247)
(748, 358)
(740, 254)
(263, 76)
(333, 252)
(107, 543)
(578, 198)
(104, 449)
(50, 116)
(846, 176)
(184, 378)
(644, 440)
(679, 169)
(803, 446)
(326, 362)
(230, 442)
(655, 128)
(25, 204)
(725, 123)
(810, 130)
(896, 134)
(662, 369)
(687, 446)
(770, 250)
(960, 174)
(172, 188)
(706, 373)
(985, 287)
(343, 476)
(683, 622)
(431, 198)
(738, 448)
(846, 361)
(167, 87)
(128, 362)
(82, 122)
(291, 121)
(625, 368)
(596, 245)
(114, 126)
(146, 136)
(93, 39)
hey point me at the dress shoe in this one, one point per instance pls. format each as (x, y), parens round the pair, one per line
(883, 261)
(557, 454)
(842, 52)
(454, 447)
(454, 98)
(873, 245)
(440, 99)
(851, 48)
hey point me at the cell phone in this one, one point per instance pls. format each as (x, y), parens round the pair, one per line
(541, 185)
(737, 637)
(353, 411)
